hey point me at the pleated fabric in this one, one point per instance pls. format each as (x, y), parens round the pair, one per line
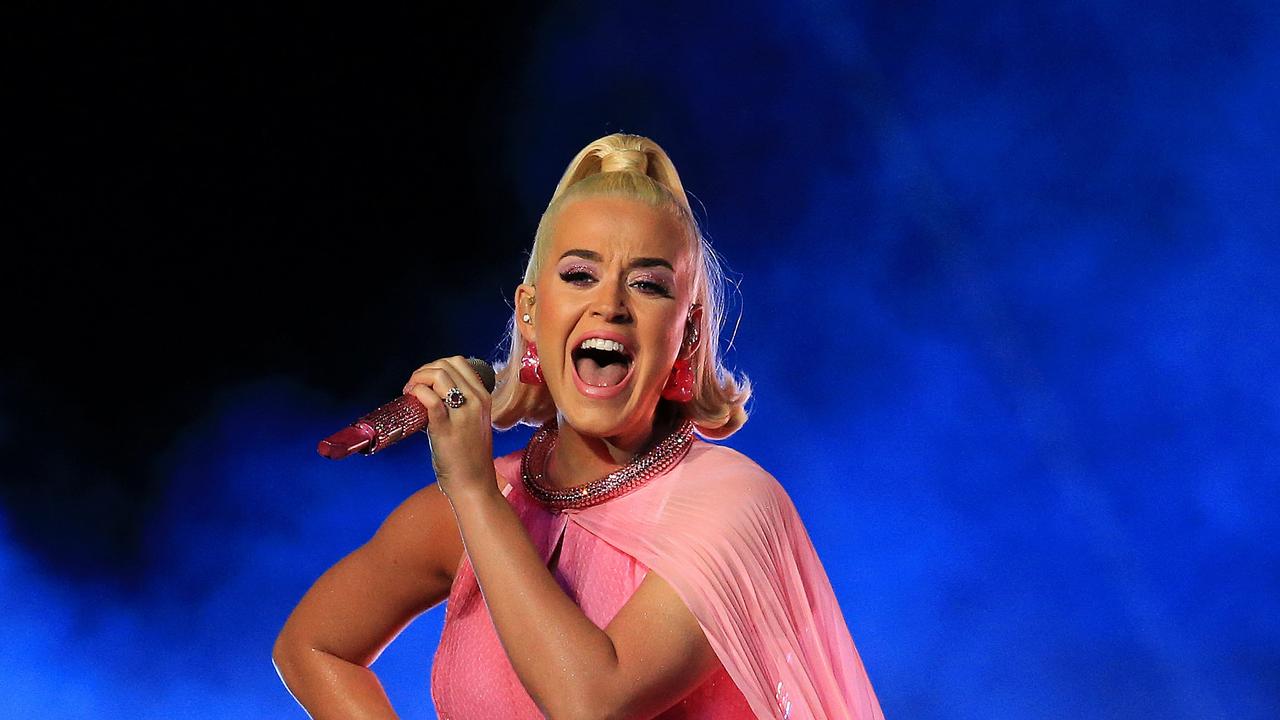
(727, 538)
(471, 675)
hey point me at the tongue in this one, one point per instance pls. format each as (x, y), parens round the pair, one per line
(592, 373)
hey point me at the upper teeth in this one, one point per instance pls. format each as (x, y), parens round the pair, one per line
(601, 344)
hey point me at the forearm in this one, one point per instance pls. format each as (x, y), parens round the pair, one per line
(327, 686)
(554, 648)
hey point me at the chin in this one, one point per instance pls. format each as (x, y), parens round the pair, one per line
(599, 422)
(606, 420)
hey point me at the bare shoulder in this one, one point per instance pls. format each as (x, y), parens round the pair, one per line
(357, 606)
(423, 531)
(420, 536)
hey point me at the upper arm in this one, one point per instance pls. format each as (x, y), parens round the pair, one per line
(361, 603)
(661, 649)
(662, 652)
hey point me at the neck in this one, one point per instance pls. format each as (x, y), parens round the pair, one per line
(579, 458)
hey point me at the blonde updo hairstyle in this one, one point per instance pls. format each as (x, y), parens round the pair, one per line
(635, 168)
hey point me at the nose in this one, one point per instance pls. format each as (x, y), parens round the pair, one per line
(610, 303)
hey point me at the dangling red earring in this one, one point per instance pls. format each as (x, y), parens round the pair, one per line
(531, 366)
(679, 387)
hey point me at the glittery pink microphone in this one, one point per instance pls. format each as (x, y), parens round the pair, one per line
(390, 423)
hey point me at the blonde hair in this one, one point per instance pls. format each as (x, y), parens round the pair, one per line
(636, 168)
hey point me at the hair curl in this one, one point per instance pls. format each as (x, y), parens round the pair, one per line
(635, 168)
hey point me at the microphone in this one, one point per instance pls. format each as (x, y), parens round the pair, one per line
(390, 423)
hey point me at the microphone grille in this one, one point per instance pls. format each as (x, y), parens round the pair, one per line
(485, 371)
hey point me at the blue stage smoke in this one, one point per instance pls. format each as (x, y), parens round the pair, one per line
(1009, 300)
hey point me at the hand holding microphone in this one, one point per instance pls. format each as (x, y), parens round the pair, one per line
(408, 414)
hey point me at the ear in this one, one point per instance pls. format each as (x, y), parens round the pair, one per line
(693, 332)
(524, 305)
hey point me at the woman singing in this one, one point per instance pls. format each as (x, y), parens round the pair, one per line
(619, 566)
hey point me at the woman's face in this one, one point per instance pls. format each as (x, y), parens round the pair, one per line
(609, 311)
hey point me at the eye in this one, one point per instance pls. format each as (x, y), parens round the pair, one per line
(652, 283)
(651, 287)
(577, 276)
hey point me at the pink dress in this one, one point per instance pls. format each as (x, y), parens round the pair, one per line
(726, 537)
(472, 677)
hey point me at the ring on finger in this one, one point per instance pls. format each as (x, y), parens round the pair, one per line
(454, 398)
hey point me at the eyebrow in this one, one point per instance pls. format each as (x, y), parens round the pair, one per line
(638, 262)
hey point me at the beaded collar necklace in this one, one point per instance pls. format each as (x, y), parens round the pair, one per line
(642, 468)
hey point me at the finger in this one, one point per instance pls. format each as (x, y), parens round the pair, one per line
(468, 383)
(442, 378)
(457, 362)
(436, 410)
(467, 374)
(460, 383)
(418, 377)
(436, 376)
(419, 369)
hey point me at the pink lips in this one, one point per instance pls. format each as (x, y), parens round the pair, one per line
(592, 391)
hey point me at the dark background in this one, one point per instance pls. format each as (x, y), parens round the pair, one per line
(1008, 297)
(224, 193)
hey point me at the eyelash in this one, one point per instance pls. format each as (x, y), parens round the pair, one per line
(577, 276)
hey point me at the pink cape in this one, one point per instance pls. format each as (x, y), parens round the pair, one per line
(725, 535)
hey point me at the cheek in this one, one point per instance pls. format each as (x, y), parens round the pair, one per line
(667, 345)
(551, 315)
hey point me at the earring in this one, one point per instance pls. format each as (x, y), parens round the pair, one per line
(531, 366)
(526, 318)
(679, 387)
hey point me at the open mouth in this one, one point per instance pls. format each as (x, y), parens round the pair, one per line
(601, 363)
